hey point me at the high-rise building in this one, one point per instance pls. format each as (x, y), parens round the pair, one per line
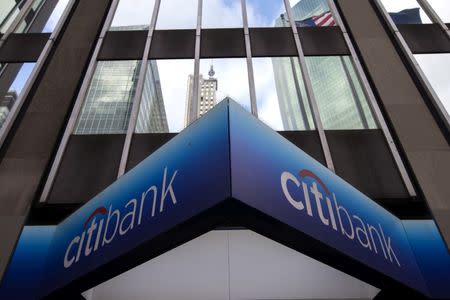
(110, 98)
(6, 104)
(91, 208)
(207, 98)
(338, 93)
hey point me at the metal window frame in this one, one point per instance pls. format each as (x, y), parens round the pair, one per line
(248, 51)
(309, 91)
(139, 90)
(423, 80)
(433, 15)
(373, 103)
(19, 18)
(142, 73)
(78, 105)
(11, 117)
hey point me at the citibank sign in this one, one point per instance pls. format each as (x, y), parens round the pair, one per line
(118, 221)
(320, 202)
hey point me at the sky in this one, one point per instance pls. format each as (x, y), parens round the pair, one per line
(436, 67)
(55, 16)
(21, 78)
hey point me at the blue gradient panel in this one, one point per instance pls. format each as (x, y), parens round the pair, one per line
(197, 163)
(23, 277)
(431, 254)
(260, 156)
(191, 173)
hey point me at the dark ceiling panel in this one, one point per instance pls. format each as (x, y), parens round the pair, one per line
(322, 41)
(123, 45)
(172, 44)
(23, 47)
(425, 38)
(222, 43)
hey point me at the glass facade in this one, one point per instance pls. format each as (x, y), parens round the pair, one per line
(221, 14)
(164, 97)
(9, 9)
(339, 95)
(43, 17)
(107, 107)
(311, 13)
(280, 93)
(12, 82)
(127, 17)
(265, 13)
(171, 17)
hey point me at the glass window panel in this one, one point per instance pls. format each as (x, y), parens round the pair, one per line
(221, 79)
(133, 15)
(311, 13)
(9, 9)
(266, 13)
(107, 106)
(406, 12)
(43, 17)
(340, 98)
(435, 67)
(442, 8)
(166, 90)
(280, 94)
(221, 14)
(12, 82)
(185, 19)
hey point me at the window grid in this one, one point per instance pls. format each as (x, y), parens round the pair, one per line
(196, 89)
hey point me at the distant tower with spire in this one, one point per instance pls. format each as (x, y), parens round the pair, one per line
(206, 96)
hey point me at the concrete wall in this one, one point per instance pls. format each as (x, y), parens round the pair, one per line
(423, 142)
(28, 154)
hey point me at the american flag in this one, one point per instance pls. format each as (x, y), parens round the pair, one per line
(325, 19)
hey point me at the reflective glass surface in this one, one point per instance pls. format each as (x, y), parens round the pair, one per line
(311, 13)
(265, 13)
(221, 14)
(221, 79)
(177, 14)
(406, 12)
(280, 94)
(12, 82)
(43, 17)
(107, 106)
(166, 92)
(436, 67)
(133, 15)
(9, 9)
(442, 8)
(340, 98)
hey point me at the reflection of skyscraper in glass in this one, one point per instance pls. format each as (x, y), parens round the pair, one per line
(108, 103)
(6, 104)
(152, 113)
(206, 99)
(341, 101)
(109, 100)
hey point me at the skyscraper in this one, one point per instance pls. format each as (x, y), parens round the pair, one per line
(206, 99)
(6, 104)
(339, 96)
(110, 97)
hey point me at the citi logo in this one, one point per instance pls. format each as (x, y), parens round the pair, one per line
(319, 201)
(104, 224)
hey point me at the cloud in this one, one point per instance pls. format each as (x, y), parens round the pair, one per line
(133, 12)
(435, 67)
